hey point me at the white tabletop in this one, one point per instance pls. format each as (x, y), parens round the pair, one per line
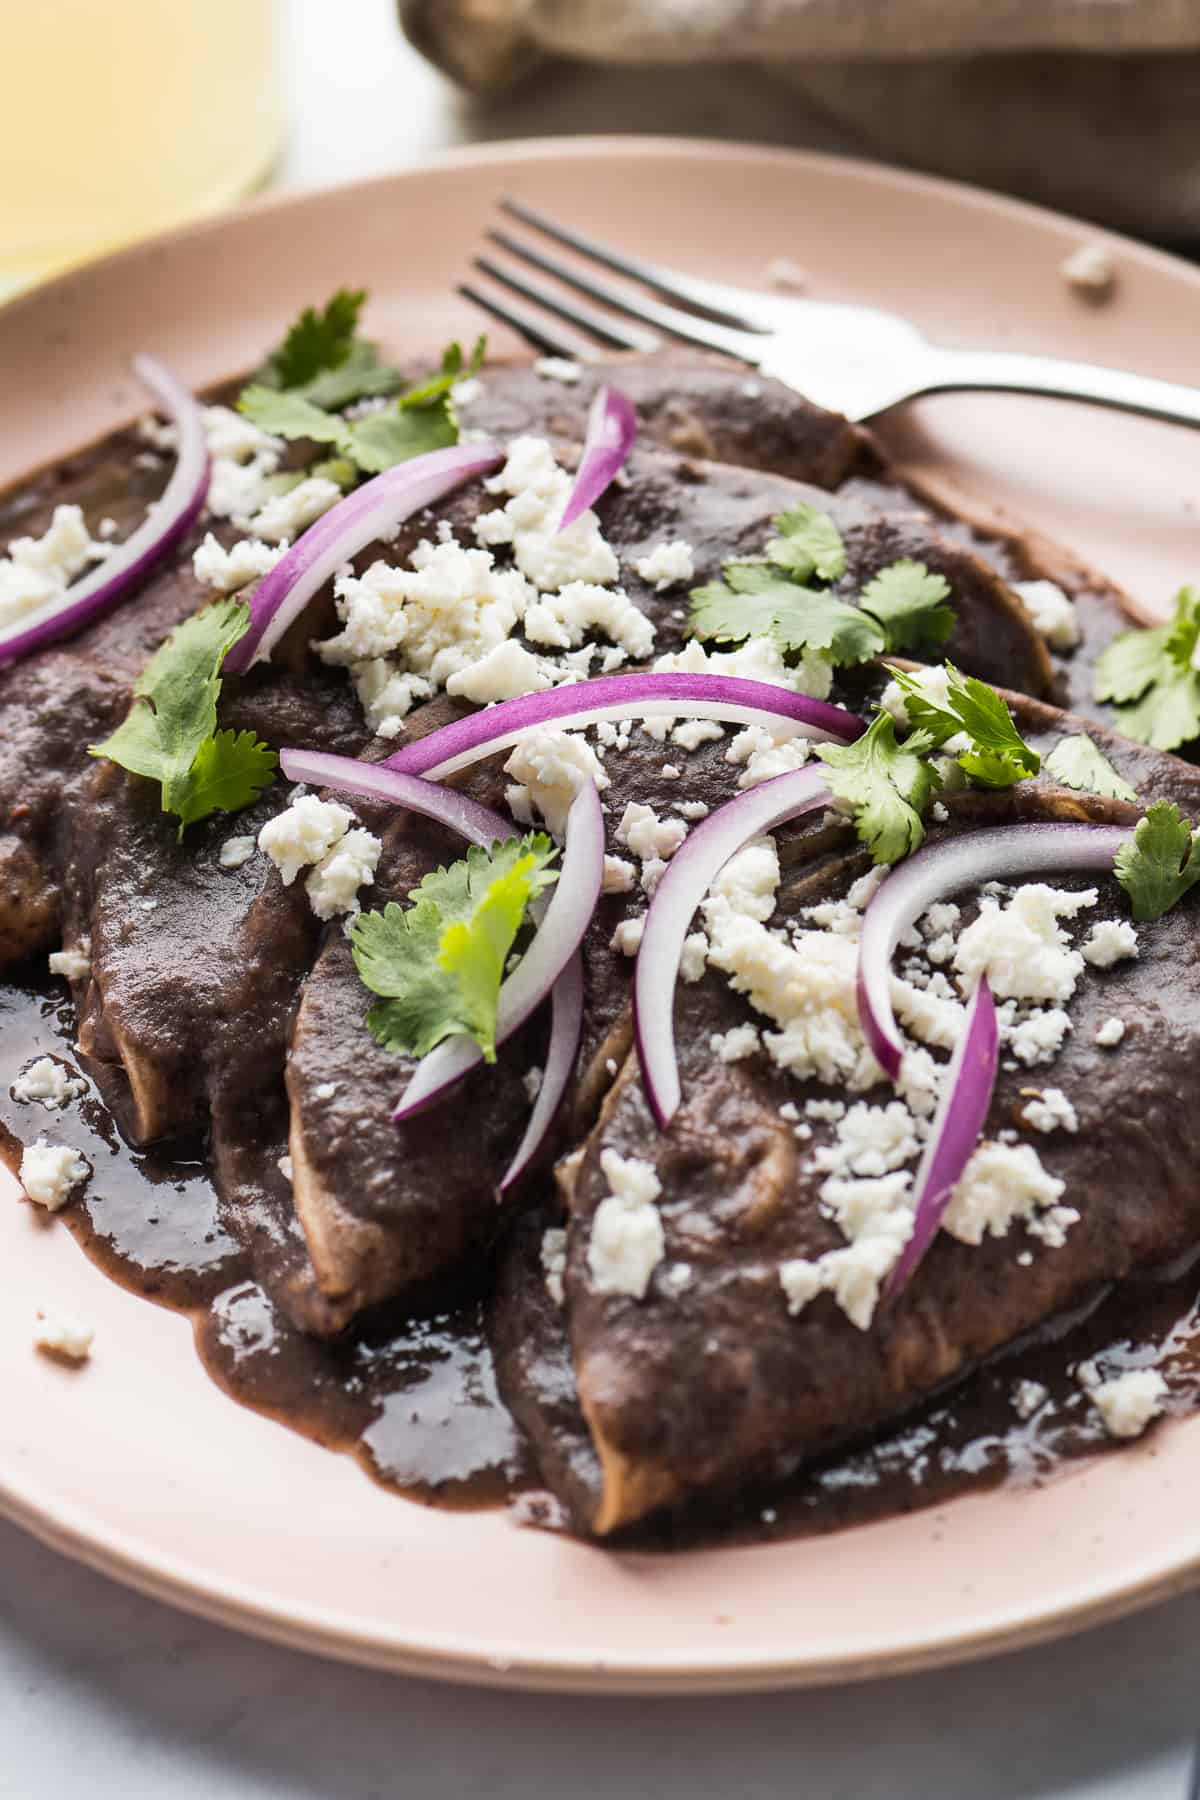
(106, 1694)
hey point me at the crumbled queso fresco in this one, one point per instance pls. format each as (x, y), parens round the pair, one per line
(61, 1334)
(50, 1173)
(37, 571)
(320, 835)
(627, 1240)
(800, 979)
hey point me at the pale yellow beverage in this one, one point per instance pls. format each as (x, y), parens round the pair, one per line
(121, 117)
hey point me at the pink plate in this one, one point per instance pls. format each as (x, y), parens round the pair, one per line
(137, 1464)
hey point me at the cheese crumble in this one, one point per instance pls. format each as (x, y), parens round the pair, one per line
(1053, 613)
(668, 564)
(1111, 941)
(228, 570)
(1021, 947)
(1128, 1402)
(58, 1333)
(50, 1173)
(75, 964)
(627, 1240)
(48, 1083)
(37, 571)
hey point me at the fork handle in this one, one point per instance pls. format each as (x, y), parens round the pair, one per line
(953, 370)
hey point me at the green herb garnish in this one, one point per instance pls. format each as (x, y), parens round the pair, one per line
(1077, 763)
(903, 607)
(170, 733)
(997, 755)
(417, 421)
(809, 543)
(909, 601)
(757, 600)
(438, 962)
(888, 785)
(1160, 862)
(317, 341)
(1149, 677)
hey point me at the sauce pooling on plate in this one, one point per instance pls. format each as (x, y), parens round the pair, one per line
(416, 1401)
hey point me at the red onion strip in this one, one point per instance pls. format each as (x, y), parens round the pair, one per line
(479, 825)
(689, 875)
(375, 781)
(648, 696)
(966, 1097)
(611, 429)
(566, 1033)
(168, 520)
(560, 932)
(940, 869)
(371, 512)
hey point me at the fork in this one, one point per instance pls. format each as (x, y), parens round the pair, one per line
(857, 360)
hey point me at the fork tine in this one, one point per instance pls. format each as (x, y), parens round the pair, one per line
(576, 312)
(723, 305)
(535, 331)
(741, 344)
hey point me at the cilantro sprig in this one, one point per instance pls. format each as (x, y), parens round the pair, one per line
(1161, 861)
(996, 755)
(170, 733)
(1078, 763)
(1151, 679)
(903, 607)
(437, 963)
(337, 367)
(886, 784)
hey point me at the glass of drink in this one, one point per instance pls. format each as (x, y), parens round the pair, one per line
(122, 117)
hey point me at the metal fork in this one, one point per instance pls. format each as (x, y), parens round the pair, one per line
(853, 359)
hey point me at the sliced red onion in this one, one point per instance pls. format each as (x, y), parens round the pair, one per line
(940, 869)
(371, 512)
(566, 1033)
(611, 429)
(649, 696)
(130, 562)
(966, 1097)
(566, 917)
(480, 825)
(689, 875)
(374, 781)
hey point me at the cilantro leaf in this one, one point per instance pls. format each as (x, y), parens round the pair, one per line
(453, 370)
(170, 732)
(383, 439)
(909, 602)
(888, 785)
(1150, 678)
(997, 755)
(1160, 862)
(755, 600)
(809, 543)
(1167, 715)
(317, 340)
(361, 377)
(438, 963)
(230, 771)
(1077, 763)
(1134, 659)
(422, 419)
(290, 415)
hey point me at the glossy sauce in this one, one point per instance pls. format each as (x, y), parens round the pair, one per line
(416, 1401)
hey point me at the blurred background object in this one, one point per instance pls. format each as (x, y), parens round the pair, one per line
(1087, 105)
(121, 117)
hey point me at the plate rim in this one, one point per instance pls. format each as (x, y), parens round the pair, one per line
(175, 1581)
